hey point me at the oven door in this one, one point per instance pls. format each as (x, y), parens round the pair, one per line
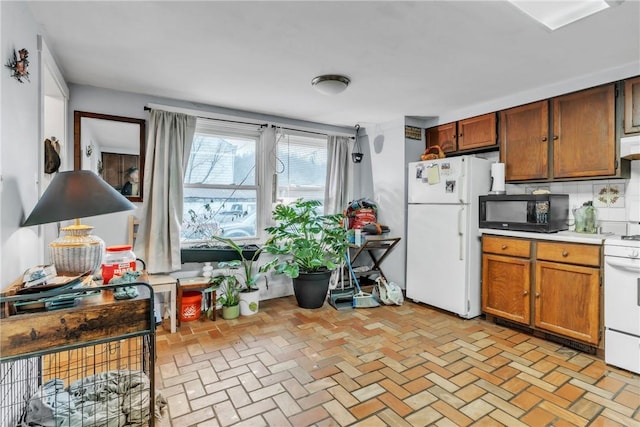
(622, 294)
(622, 311)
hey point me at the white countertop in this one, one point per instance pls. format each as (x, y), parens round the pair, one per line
(560, 236)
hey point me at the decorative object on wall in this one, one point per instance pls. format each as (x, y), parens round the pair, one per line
(412, 132)
(51, 155)
(357, 154)
(608, 195)
(88, 150)
(19, 64)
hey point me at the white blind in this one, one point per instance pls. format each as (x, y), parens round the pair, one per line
(302, 166)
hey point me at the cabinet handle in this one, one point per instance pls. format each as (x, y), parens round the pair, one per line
(544, 138)
(555, 137)
(504, 247)
(460, 135)
(537, 294)
(565, 254)
(525, 293)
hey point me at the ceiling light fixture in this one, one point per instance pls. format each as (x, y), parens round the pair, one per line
(330, 84)
(558, 14)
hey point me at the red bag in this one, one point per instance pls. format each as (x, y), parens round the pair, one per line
(362, 217)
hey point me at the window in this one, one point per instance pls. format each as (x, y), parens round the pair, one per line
(301, 166)
(229, 173)
(220, 185)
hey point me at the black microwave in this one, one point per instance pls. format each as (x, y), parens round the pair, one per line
(541, 213)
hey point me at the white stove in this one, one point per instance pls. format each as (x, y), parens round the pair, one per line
(622, 302)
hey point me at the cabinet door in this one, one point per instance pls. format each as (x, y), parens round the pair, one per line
(444, 135)
(567, 300)
(584, 133)
(524, 141)
(632, 105)
(505, 287)
(477, 132)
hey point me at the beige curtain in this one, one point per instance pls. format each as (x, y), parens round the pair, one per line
(168, 147)
(337, 188)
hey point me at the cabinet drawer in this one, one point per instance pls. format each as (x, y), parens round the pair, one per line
(569, 253)
(506, 246)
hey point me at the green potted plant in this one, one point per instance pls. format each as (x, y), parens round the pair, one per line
(308, 245)
(250, 293)
(228, 288)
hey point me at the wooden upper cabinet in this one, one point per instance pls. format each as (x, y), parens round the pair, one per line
(477, 132)
(632, 105)
(524, 141)
(584, 133)
(443, 135)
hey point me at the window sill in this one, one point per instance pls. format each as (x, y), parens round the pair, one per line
(215, 254)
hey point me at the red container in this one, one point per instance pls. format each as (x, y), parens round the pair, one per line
(191, 306)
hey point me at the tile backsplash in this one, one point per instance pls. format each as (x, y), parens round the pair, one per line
(617, 201)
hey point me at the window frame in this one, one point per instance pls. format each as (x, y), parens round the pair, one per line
(266, 167)
(246, 131)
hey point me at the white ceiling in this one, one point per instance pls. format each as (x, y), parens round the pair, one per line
(403, 58)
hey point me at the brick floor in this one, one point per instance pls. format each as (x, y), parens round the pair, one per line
(409, 365)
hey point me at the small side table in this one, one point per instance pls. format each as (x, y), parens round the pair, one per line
(194, 283)
(165, 283)
(382, 245)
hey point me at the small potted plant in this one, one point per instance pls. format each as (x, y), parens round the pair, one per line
(250, 293)
(228, 288)
(308, 246)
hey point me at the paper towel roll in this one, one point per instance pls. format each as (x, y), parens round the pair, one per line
(497, 178)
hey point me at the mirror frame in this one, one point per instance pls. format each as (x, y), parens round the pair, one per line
(77, 138)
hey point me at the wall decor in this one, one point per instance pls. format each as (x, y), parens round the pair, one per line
(412, 132)
(608, 195)
(19, 64)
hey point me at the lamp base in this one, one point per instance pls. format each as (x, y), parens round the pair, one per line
(77, 251)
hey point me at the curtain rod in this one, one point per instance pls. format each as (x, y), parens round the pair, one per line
(223, 120)
(306, 131)
(261, 125)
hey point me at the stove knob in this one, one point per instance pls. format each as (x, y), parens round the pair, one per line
(635, 253)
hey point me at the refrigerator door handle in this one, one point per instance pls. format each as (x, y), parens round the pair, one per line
(461, 228)
(462, 197)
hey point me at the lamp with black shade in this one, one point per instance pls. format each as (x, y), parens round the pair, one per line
(74, 195)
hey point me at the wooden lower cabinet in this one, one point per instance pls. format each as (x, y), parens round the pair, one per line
(567, 300)
(505, 291)
(554, 287)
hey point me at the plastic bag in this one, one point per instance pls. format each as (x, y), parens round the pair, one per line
(387, 293)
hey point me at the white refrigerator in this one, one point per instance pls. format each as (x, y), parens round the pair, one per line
(443, 239)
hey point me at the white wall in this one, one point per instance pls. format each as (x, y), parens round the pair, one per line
(20, 157)
(388, 163)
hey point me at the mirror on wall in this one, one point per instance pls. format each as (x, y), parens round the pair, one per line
(112, 147)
